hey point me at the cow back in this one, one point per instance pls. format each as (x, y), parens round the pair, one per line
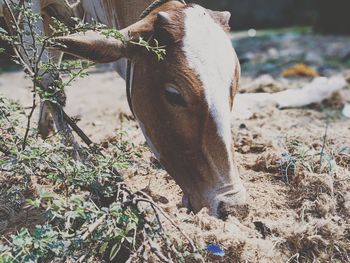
(114, 13)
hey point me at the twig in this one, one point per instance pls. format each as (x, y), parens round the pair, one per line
(32, 58)
(324, 143)
(29, 118)
(32, 69)
(76, 128)
(82, 258)
(154, 208)
(295, 256)
(148, 199)
(17, 52)
(93, 227)
(137, 252)
(156, 251)
(143, 197)
(77, 74)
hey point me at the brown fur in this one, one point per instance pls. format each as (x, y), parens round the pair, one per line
(185, 137)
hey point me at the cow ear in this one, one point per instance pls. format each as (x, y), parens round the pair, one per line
(100, 48)
(92, 46)
(161, 28)
(222, 18)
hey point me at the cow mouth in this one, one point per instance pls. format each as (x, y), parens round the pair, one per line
(224, 208)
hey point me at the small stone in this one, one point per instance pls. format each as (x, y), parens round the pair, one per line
(346, 110)
(265, 83)
(347, 76)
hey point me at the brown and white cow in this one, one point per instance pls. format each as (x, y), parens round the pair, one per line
(182, 103)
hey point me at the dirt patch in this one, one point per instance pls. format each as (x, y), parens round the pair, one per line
(14, 213)
(298, 208)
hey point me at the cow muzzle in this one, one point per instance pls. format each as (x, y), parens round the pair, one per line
(221, 203)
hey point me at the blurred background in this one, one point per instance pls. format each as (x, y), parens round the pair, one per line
(319, 16)
(324, 16)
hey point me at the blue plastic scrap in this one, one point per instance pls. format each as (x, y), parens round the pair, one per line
(216, 250)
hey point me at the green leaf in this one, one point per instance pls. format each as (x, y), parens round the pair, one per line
(44, 194)
(34, 203)
(6, 259)
(129, 239)
(3, 31)
(114, 251)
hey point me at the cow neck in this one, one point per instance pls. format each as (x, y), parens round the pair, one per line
(145, 13)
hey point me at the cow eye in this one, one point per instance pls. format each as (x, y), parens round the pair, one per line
(174, 97)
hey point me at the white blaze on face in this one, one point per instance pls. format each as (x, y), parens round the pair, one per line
(211, 56)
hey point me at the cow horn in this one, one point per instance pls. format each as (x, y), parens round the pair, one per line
(99, 47)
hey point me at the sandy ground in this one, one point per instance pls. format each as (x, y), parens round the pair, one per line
(299, 208)
(97, 100)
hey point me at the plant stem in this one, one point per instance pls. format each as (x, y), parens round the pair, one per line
(324, 143)
(29, 118)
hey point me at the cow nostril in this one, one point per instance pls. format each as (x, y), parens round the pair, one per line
(225, 210)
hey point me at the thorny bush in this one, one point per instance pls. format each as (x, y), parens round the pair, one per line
(85, 213)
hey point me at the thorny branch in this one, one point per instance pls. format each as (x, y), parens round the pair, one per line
(31, 65)
(20, 35)
(124, 195)
(324, 143)
(150, 230)
(29, 118)
(149, 200)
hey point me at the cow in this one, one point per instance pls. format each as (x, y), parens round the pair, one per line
(182, 103)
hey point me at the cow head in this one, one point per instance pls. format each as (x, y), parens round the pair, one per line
(182, 103)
